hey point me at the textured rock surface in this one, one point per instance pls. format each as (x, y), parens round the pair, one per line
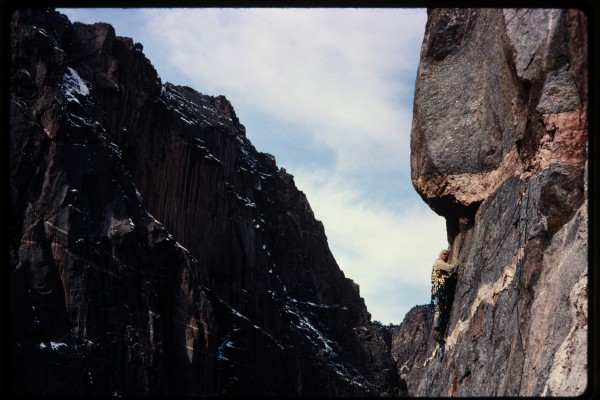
(499, 148)
(410, 346)
(152, 249)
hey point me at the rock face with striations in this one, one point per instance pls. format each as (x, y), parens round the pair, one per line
(152, 249)
(499, 148)
(409, 345)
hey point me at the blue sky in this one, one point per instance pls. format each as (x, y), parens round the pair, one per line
(329, 93)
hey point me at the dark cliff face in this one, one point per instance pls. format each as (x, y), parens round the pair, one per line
(152, 249)
(499, 148)
(410, 346)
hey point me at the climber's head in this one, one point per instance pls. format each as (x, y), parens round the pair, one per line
(444, 254)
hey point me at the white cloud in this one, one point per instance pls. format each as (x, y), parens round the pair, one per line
(382, 250)
(344, 77)
(334, 72)
(333, 83)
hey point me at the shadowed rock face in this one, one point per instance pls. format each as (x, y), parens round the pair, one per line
(410, 346)
(152, 249)
(499, 148)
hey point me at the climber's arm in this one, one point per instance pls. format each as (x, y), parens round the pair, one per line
(444, 266)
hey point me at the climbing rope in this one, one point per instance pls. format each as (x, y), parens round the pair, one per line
(521, 243)
(486, 260)
(504, 235)
(518, 269)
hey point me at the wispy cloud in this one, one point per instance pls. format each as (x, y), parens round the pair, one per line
(329, 92)
(340, 80)
(335, 73)
(387, 251)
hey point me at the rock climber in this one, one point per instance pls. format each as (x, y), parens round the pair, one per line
(441, 273)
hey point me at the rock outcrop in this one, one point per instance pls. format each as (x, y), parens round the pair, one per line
(152, 249)
(499, 148)
(410, 346)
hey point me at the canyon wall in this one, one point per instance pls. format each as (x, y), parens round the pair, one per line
(152, 250)
(499, 148)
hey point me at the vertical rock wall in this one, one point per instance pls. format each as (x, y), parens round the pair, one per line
(410, 346)
(499, 148)
(152, 249)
